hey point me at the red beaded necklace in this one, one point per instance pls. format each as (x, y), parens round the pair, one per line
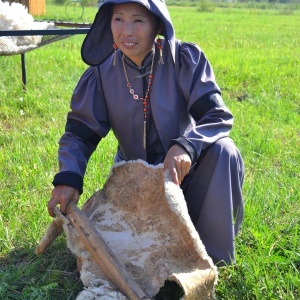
(144, 100)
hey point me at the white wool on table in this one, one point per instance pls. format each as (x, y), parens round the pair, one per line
(15, 16)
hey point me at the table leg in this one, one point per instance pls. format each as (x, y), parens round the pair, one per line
(23, 62)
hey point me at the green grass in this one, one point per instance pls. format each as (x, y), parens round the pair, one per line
(256, 58)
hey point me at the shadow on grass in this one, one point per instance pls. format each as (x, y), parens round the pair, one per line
(51, 275)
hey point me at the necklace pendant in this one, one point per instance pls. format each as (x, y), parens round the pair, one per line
(145, 137)
(144, 100)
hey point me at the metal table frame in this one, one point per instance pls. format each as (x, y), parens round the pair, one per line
(59, 33)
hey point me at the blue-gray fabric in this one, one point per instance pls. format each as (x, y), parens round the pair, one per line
(103, 102)
(213, 192)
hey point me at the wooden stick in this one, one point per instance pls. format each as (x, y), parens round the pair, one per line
(102, 254)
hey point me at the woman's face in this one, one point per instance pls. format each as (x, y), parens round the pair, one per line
(134, 29)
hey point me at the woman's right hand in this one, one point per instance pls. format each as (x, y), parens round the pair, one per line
(62, 195)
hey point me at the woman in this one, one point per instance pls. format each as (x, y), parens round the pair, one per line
(160, 98)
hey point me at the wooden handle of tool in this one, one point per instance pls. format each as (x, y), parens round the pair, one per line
(102, 254)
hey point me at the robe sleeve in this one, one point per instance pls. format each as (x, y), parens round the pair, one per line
(212, 120)
(87, 123)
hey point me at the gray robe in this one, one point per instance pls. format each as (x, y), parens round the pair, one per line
(185, 108)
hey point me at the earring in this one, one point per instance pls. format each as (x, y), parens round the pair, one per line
(159, 47)
(115, 53)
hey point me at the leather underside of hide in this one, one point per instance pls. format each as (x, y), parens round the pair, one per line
(143, 218)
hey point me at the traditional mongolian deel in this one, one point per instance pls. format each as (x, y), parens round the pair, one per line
(170, 98)
(143, 217)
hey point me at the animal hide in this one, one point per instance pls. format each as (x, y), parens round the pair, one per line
(143, 217)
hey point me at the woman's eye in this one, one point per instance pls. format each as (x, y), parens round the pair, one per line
(139, 21)
(118, 19)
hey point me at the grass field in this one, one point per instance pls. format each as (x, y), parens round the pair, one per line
(256, 57)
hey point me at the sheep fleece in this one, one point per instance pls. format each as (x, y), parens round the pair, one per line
(143, 218)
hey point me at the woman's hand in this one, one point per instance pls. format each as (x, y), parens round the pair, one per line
(178, 162)
(62, 195)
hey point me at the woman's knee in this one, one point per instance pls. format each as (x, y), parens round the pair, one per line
(223, 147)
(224, 151)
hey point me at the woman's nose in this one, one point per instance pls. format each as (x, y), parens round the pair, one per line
(127, 29)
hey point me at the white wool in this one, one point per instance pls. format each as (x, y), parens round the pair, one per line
(103, 292)
(15, 16)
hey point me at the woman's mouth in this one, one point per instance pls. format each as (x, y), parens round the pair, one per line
(129, 44)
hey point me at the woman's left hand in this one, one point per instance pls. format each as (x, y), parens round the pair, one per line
(178, 162)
